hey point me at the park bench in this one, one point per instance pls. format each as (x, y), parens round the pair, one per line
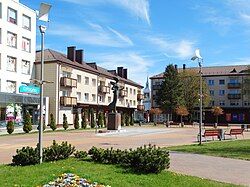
(235, 132)
(212, 133)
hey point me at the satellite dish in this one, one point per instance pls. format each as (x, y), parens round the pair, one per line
(43, 14)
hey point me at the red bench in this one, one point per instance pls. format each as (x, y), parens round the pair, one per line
(212, 133)
(235, 132)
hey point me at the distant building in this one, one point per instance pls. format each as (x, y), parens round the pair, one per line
(227, 87)
(17, 55)
(147, 99)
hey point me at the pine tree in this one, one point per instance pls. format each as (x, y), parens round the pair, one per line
(92, 117)
(127, 120)
(84, 121)
(27, 125)
(101, 120)
(10, 127)
(52, 122)
(65, 122)
(76, 122)
(122, 119)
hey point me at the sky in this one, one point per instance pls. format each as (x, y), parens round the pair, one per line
(147, 35)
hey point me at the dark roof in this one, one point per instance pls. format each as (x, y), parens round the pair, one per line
(213, 70)
(54, 56)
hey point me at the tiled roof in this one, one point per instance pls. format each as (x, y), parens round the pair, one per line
(54, 56)
(213, 70)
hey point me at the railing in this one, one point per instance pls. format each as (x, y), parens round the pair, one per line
(123, 93)
(233, 85)
(140, 107)
(140, 97)
(234, 96)
(68, 82)
(104, 89)
(68, 101)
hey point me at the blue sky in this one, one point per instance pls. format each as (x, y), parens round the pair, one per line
(147, 35)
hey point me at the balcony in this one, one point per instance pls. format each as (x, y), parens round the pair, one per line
(123, 93)
(140, 97)
(68, 101)
(156, 87)
(104, 89)
(68, 82)
(140, 107)
(234, 96)
(234, 85)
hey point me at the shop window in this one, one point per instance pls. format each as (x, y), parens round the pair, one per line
(25, 67)
(11, 64)
(26, 44)
(12, 16)
(11, 39)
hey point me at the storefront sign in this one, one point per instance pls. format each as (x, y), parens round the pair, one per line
(29, 89)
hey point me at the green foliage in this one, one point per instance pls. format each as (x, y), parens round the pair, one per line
(58, 152)
(10, 127)
(80, 154)
(147, 159)
(92, 118)
(170, 94)
(84, 121)
(27, 125)
(101, 120)
(76, 122)
(65, 122)
(127, 120)
(52, 122)
(132, 122)
(122, 119)
(26, 156)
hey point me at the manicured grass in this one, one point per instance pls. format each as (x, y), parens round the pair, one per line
(106, 174)
(239, 149)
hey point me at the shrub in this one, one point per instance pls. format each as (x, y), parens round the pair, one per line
(80, 154)
(101, 120)
(52, 122)
(122, 120)
(127, 119)
(44, 126)
(65, 122)
(10, 127)
(92, 117)
(76, 122)
(132, 122)
(27, 125)
(84, 122)
(58, 152)
(26, 156)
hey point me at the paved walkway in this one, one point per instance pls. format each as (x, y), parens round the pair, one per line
(210, 167)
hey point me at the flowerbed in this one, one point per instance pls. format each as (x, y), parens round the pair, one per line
(72, 180)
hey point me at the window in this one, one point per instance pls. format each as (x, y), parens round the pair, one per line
(26, 44)
(0, 60)
(221, 82)
(11, 86)
(86, 81)
(109, 99)
(101, 98)
(222, 92)
(127, 102)
(93, 82)
(210, 82)
(79, 96)
(65, 93)
(130, 102)
(93, 97)
(222, 103)
(134, 92)
(11, 64)
(79, 78)
(86, 96)
(246, 103)
(66, 74)
(231, 91)
(211, 103)
(234, 103)
(12, 16)
(211, 92)
(134, 102)
(26, 22)
(0, 35)
(0, 10)
(130, 90)
(11, 39)
(233, 80)
(25, 67)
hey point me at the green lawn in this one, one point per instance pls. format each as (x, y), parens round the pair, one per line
(106, 174)
(239, 149)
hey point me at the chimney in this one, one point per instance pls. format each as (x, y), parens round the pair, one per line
(120, 71)
(92, 64)
(113, 72)
(71, 55)
(125, 73)
(175, 66)
(79, 56)
(184, 66)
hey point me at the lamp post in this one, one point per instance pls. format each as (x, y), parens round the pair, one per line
(200, 61)
(42, 16)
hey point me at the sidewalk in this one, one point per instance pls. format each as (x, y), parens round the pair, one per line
(215, 168)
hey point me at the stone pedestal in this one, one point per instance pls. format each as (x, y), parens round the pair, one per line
(114, 121)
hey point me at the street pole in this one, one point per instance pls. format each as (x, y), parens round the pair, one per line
(42, 31)
(200, 124)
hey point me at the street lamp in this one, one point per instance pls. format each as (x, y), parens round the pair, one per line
(200, 61)
(43, 15)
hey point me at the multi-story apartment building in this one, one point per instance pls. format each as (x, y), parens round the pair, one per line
(17, 55)
(228, 88)
(79, 85)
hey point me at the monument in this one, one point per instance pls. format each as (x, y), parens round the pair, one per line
(114, 118)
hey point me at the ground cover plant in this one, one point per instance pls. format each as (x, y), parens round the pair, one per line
(239, 149)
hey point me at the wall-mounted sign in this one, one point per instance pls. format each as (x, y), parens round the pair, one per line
(29, 89)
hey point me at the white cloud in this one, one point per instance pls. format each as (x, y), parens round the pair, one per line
(245, 17)
(92, 34)
(178, 49)
(137, 8)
